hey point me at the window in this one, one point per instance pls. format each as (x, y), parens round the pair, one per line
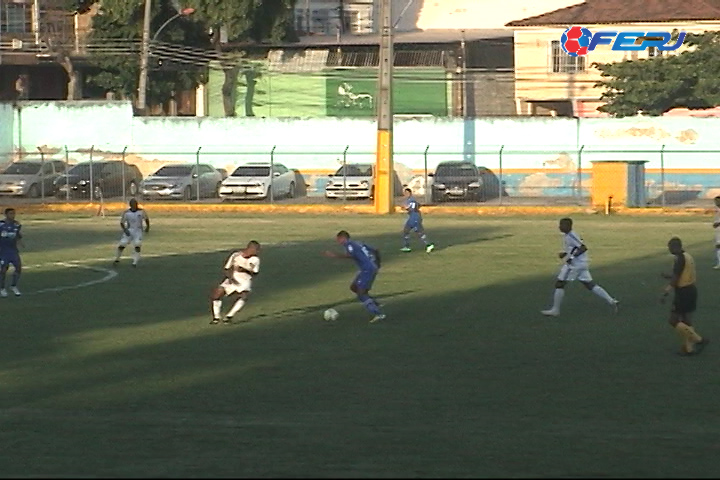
(14, 17)
(561, 62)
(251, 171)
(47, 169)
(173, 171)
(59, 167)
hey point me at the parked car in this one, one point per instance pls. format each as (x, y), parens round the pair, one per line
(356, 180)
(253, 180)
(103, 178)
(182, 181)
(31, 178)
(464, 181)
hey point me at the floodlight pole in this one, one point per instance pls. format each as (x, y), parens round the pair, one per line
(384, 195)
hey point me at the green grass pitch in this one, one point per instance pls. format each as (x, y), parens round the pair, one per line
(124, 377)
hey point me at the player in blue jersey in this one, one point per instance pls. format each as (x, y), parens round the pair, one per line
(367, 259)
(414, 222)
(10, 236)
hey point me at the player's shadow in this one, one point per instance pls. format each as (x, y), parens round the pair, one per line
(294, 312)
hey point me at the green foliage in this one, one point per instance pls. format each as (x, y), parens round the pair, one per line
(243, 20)
(653, 86)
(121, 20)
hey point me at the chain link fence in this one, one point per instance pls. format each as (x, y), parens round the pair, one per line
(502, 175)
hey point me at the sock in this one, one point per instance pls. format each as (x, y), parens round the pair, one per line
(688, 332)
(717, 255)
(2, 279)
(240, 303)
(423, 237)
(558, 298)
(406, 240)
(15, 278)
(600, 292)
(370, 304)
(119, 254)
(216, 306)
(136, 257)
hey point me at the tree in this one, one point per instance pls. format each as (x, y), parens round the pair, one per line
(117, 33)
(243, 21)
(655, 85)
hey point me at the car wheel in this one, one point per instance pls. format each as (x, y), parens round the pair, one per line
(133, 189)
(187, 193)
(33, 191)
(291, 190)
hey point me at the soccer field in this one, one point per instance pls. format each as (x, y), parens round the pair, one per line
(119, 374)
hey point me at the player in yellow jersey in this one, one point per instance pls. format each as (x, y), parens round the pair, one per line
(682, 281)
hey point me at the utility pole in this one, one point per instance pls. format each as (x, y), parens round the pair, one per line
(144, 54)
(384, 169)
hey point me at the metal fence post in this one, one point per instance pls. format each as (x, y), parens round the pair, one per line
(124, 193)
(579, 173)
(425, 186)
(662, 176)
(500, 173)
(42, 174)
(92, 184)
(197, 171)
(67, 178)
(272, 174)
(347, 147)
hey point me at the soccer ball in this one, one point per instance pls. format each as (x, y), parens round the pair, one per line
(331, 315)
(575, 41)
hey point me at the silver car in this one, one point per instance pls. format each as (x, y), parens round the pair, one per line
(354, 180)
(182, 181)
(31, 178)
(253, 180)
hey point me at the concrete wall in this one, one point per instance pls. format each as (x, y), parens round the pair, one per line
(534, 154)
(7, 129)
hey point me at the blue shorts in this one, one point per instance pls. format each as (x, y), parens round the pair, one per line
(414, 223)
(365, 279)
(10, 258)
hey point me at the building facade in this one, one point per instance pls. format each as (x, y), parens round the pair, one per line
(550, 82)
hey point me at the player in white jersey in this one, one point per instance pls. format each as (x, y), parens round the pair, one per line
(576, 267)
(716, 226)
(131, 224)
(240, 268)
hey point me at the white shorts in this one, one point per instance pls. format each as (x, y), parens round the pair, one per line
(231, 287)
(135, 238)
(570, 273)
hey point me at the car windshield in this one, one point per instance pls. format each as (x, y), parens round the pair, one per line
(83, 169)
(22, 168)
(174, 171)
(456, 171)
(250, 171)
(355, 171)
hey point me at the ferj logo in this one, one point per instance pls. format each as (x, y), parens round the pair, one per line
(578, 41)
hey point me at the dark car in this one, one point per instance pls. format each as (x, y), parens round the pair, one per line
(465, 181)
(109, 178)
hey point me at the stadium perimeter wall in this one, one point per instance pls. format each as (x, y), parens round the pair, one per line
(553, 153)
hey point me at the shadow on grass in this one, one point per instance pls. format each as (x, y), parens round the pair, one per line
(468, 381)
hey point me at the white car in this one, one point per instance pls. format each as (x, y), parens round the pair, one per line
(253, 180)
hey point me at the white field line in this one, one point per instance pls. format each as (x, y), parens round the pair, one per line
(109, 273)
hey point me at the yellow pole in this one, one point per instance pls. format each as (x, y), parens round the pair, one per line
(384, 169)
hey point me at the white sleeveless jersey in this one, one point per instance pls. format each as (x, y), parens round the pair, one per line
(572, 242)
(134, 220)
(236, 260)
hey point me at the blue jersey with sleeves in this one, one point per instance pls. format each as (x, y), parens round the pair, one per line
(364, 255)
(413, 207)
(9, 236)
